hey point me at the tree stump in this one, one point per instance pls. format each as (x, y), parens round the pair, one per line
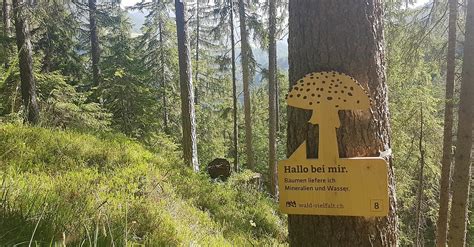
(219, 168)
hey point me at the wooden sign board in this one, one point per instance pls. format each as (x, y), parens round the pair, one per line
(331, 185)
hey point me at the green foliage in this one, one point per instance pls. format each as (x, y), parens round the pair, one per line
(62, 106)
(415, 82)
(57, 34)
(124, 92)
(79, 188)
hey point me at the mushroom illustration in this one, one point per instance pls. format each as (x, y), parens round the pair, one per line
(325, 93)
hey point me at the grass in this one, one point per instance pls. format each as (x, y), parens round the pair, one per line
(62, 187)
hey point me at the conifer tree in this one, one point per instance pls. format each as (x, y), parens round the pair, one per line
(23, 41)
(273, 100)
(443, 212)
(462, 161)
(189, 144)
(94, 41)
(247, 76)
(6, 30)
(157, 44)
(320, 39)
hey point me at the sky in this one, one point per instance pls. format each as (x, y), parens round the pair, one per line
(418, 2)
(126, 3)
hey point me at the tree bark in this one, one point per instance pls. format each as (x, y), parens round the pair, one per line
(234, 91)
(421, 179)
(272, 100)
(245, 55)
(196, 81)
(462, 160)
(6, 30)
(346, 36)
(186, 87)
(94, 39)
(442, 223)
(23, 41)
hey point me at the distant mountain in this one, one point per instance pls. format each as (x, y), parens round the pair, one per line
(137, 18)
(261, 56)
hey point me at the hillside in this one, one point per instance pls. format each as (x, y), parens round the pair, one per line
(108, 190)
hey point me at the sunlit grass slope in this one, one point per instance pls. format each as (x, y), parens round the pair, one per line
(63, 187)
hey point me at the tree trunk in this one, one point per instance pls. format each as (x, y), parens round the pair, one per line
(462, 160)
(46, 67)
(346, 36)
(95, 50)
(7, 30)
(272, 100)
(234, 91)
(163, 83)
(421, 178)
(442, 224)
(196, 81)
(186, 86)
(245, 57)
(23, 42)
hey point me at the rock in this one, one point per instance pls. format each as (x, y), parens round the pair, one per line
(219, 168)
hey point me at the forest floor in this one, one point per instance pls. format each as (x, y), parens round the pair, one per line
(64, 187)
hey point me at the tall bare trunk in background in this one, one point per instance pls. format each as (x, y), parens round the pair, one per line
(234, 91)
(421, 180)
(94, 38)
(163, 83)
(23, 42)
(6, 30)
(196, 81)
(245, 55)
(272, 99)
(186, 87)
(321, 39)
(462, 160)
(442, 224)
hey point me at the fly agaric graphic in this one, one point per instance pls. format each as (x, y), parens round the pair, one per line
(325, 93)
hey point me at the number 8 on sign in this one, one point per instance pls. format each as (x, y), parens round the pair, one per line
(376, 205)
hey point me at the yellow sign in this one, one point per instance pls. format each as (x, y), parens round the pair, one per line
(330, 185)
